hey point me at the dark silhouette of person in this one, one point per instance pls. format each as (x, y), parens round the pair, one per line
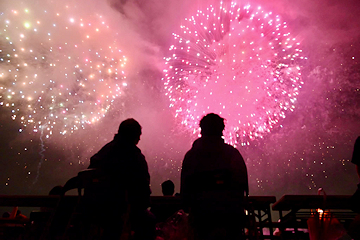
(356, 160)
(165, 210)
(57, 191)
(6, 215)
(354, 228)
(213, 183)
(58, 215)
(127, 170)
(356, 156)
(168, 188)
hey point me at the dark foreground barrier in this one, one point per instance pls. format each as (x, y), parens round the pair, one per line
(259, 208)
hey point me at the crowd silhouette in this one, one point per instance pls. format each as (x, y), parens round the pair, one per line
(114, 192)
(214, 183)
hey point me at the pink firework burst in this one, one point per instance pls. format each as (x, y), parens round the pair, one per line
(237, 61)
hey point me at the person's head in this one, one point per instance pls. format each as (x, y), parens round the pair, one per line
(130, 130)
(6, 215)
(168, 188)
(57, 190)
(212, 125)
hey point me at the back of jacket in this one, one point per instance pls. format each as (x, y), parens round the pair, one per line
(214, 176)
(127, 170)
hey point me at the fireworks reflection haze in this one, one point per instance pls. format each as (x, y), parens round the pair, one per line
(309, 148)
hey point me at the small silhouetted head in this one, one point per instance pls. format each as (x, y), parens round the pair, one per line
(6, 215)
(168, 188)
(212, 125)
(130, 130)
(57, 190)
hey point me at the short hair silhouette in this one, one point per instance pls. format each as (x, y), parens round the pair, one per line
(57, 190)
(212, 125)
(168, 188)
(130, 129)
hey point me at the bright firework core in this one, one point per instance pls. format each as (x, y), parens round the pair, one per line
(237, 61)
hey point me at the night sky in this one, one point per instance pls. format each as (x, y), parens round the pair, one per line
(310, 148)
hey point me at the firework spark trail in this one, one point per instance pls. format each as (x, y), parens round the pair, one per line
(41, 153)
(58, 69)
(238, 61)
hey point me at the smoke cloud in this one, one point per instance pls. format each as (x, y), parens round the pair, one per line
(310, 148)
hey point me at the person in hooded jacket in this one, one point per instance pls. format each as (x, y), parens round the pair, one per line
(214, 182)
(128, 181)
